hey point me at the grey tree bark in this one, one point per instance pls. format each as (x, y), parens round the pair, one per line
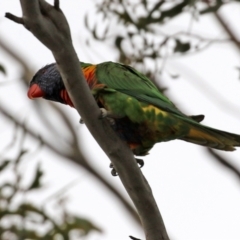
(49, 25)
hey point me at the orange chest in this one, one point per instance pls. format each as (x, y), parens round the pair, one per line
(89, 74)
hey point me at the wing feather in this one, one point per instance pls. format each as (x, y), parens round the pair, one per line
(128, 80)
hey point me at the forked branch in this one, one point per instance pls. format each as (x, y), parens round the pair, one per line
(49, 25)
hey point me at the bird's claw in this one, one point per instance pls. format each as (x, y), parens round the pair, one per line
(140, 162)
(104, 113)
(111, 121)
(81, 121)
(108, 115)
(114, 173)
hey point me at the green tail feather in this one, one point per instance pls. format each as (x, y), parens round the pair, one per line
(213, 138)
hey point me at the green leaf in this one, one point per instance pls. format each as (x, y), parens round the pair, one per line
(133, 238)
(174, 11)
(81, 224)
(4, 165)
(181, 47)
(19, 157)
(36, 183)
(2, 69)
(26, 209)
(118, 42)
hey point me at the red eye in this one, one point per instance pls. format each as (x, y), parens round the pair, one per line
(43, 70)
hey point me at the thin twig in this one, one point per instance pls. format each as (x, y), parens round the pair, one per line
(14, 18)
(228, 29)
(220, 159)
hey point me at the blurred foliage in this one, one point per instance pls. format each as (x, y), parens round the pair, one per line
(21, 219)
(238, 69)
(141, 31)
(2, 69)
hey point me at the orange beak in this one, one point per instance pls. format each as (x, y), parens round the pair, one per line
(35, 92)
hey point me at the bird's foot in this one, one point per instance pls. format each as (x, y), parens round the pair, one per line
(111, 121)
(104, 114)
(108, 115)
(81, 121)
(114, 173)
(140, 162)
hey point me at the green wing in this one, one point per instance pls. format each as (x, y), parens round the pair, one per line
(128, 80)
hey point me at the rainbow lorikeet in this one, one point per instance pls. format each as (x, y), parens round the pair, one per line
(141, 115)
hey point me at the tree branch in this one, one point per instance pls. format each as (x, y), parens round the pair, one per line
(49, 25)
(228, 30)
(220, 159)
(77, 157)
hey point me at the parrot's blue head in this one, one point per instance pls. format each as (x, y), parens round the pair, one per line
(47, 83)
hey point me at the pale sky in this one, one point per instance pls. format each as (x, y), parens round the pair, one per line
(197, 198)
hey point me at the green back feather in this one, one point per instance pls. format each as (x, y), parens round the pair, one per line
(128, 80)
(84, 65)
